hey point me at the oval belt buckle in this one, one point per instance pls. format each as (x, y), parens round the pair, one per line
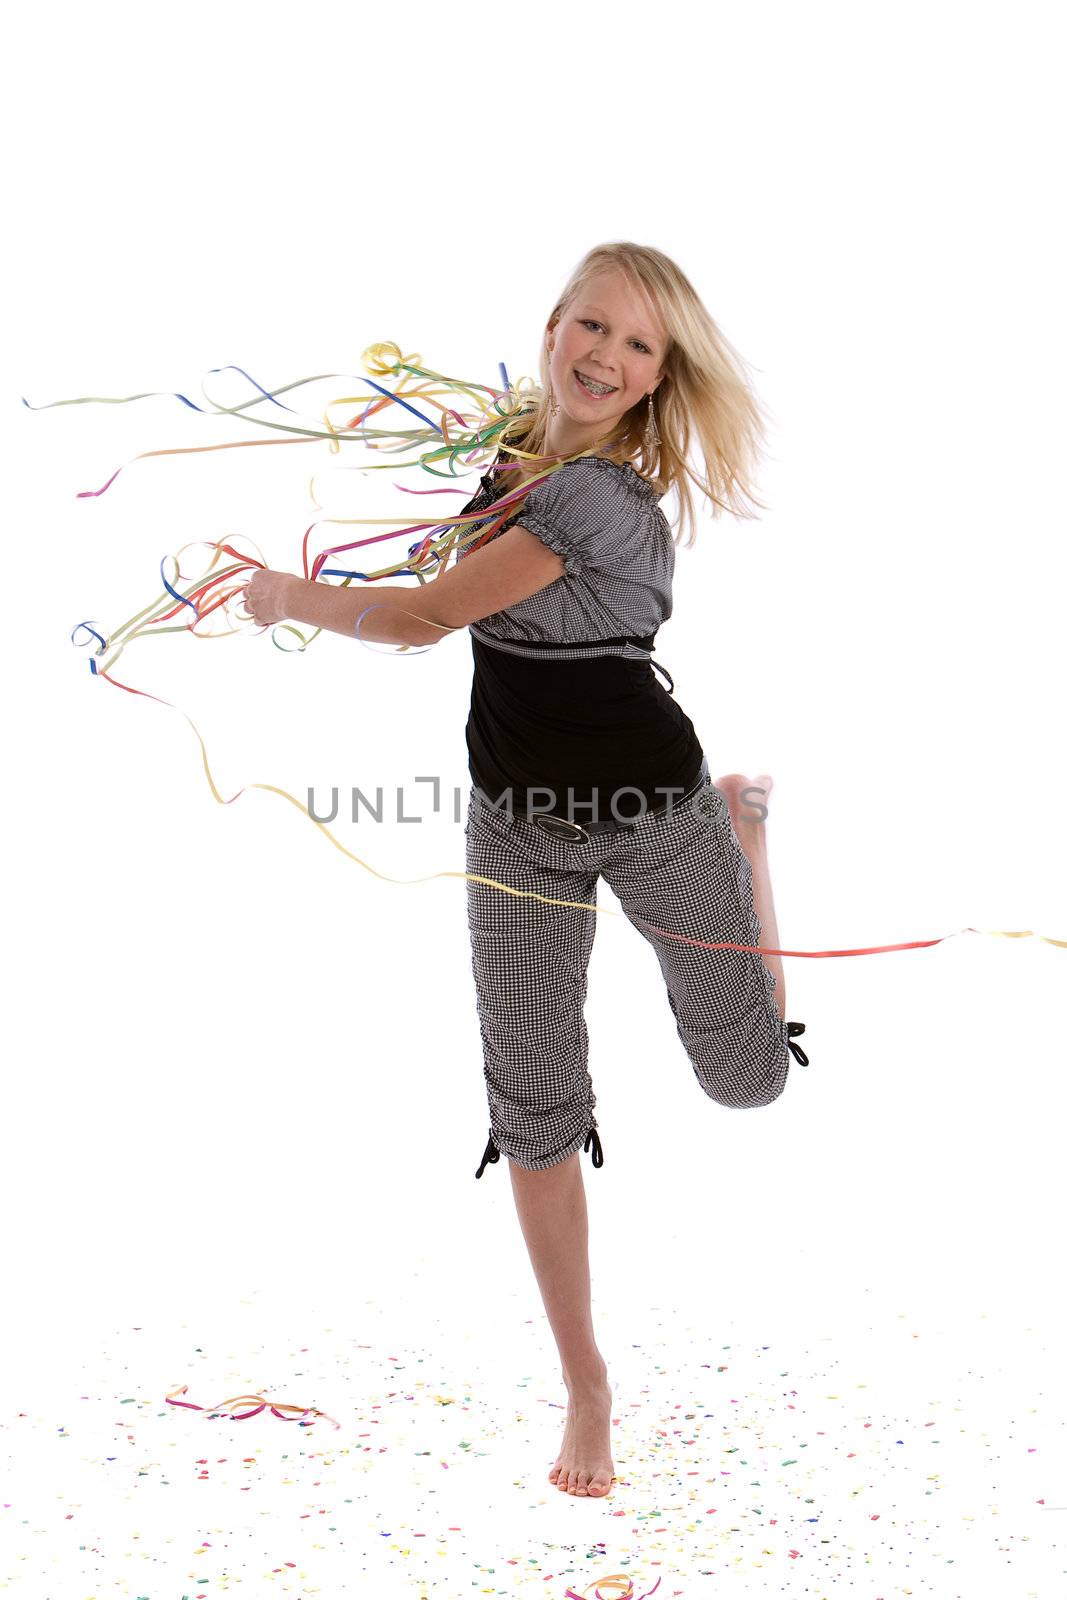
(559, 827)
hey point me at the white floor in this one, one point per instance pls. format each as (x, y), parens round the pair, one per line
(875, 1443)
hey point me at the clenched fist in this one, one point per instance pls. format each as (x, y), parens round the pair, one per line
(265, 596)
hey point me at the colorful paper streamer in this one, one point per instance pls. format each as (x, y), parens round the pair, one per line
(260, 1402)
(453, 443)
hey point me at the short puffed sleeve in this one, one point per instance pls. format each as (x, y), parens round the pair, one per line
(584, 512)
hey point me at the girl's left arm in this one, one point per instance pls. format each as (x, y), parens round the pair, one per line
(510, 568)
(396, 621)
(276, 596)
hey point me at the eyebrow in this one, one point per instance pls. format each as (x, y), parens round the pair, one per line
(651, 338)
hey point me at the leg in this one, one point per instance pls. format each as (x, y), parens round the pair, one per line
(687, 874)
(554, 1221)
(555, 1224)
(750, 830)
(530, 961)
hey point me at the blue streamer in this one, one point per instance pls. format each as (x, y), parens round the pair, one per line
(175, 593)
(264, 392)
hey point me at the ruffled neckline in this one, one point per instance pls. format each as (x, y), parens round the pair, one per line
(500, 487)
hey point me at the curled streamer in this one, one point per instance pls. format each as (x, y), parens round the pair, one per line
(279, 1408)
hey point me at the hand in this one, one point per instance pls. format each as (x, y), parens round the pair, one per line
(265, 596)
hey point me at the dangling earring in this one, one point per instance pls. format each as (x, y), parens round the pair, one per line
(553, 403)
(651, 431)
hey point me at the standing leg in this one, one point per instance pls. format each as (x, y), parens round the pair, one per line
(555, 1224)
(530, 961)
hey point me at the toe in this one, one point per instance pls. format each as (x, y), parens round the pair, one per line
(561, 1481)
(582, 1486)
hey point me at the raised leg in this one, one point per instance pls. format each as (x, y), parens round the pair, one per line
(750, 829)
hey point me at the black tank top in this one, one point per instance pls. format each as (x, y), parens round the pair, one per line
(587, 736)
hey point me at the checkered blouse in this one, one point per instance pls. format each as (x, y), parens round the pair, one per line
(604, 521)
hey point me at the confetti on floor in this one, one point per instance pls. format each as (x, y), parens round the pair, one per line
(887, 1459)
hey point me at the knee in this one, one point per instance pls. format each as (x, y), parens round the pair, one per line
(743, 1079)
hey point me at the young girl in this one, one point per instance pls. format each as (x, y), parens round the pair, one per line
(584, 766)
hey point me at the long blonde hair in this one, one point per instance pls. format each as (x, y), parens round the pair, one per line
(705, 391)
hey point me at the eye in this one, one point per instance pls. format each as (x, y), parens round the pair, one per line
(588, 322)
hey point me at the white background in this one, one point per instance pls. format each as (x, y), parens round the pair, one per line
(241, 1065)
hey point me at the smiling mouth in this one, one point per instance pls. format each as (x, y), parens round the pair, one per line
(585, 381)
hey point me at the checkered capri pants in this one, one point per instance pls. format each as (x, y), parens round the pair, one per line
(682, 870)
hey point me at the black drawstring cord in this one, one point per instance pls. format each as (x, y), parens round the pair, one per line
(491, 1154)
(665, 673)
(792, 1028)
(592, 1140)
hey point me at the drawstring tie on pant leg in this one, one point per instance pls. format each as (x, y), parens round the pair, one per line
(491, 1154)
(592, 1142)
(792, 1028)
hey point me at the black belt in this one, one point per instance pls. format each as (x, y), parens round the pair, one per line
(577, 832)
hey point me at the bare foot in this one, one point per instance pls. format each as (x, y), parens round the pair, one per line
(747, 798)
(584, 1465)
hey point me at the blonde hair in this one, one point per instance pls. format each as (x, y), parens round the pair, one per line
(704, 391)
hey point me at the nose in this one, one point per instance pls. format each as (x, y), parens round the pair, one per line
(602, 365)
(609, 349)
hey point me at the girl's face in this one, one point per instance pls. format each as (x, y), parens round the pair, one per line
(611, 335)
